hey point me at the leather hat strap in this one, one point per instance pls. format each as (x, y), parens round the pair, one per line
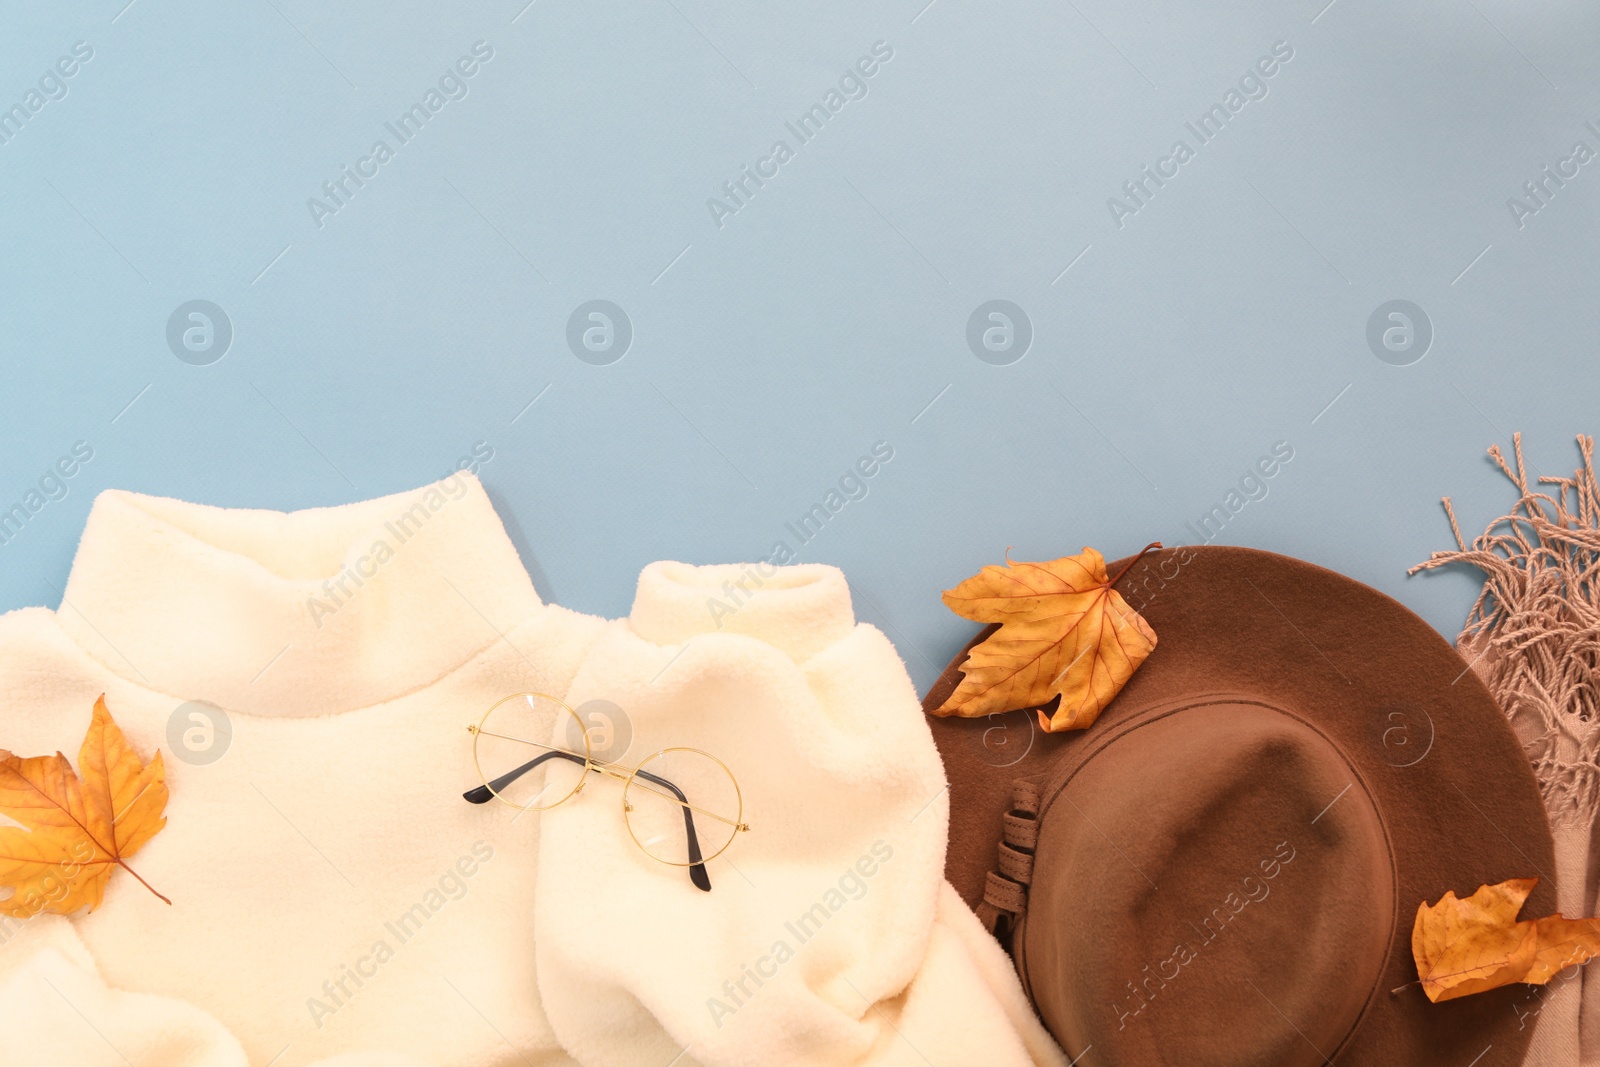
(1005, 891)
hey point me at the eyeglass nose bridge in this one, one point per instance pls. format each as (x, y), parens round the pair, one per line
(596, 767)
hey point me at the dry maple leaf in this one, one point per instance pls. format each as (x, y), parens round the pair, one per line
(76, 830)
(1063, 631)
(1467, 946)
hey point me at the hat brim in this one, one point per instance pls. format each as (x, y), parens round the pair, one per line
(1454, 789)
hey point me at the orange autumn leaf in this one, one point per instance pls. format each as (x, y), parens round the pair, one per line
(1563, 943)
(1063, 631)
(1466, 946)
(74, 831)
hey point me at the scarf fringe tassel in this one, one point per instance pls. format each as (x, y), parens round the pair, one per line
(1533, 634)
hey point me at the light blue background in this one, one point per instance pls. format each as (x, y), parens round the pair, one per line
(830, 311)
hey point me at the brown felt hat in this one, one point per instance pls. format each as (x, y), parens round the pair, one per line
(1225, 867)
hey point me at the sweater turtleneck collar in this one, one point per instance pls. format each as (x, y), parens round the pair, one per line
(800, 609)
(294, 613)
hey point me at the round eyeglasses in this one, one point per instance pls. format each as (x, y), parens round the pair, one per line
(533, 752)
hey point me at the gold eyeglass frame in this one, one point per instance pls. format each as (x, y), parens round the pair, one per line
(627, 775)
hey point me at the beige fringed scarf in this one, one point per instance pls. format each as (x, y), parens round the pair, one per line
(1533, 636)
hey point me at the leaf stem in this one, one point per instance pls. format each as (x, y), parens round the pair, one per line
(1146, 550)
(142, 882)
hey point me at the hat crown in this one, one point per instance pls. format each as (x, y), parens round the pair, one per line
(1212, 875)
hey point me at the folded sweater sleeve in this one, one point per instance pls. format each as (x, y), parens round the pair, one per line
(828, 935)
(55, 1007)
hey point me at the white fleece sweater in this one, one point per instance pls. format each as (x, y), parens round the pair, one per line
(830, 935)
(336, 902)
(335, 809)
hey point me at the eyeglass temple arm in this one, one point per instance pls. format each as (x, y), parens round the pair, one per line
(697, 868)
(485, 793)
